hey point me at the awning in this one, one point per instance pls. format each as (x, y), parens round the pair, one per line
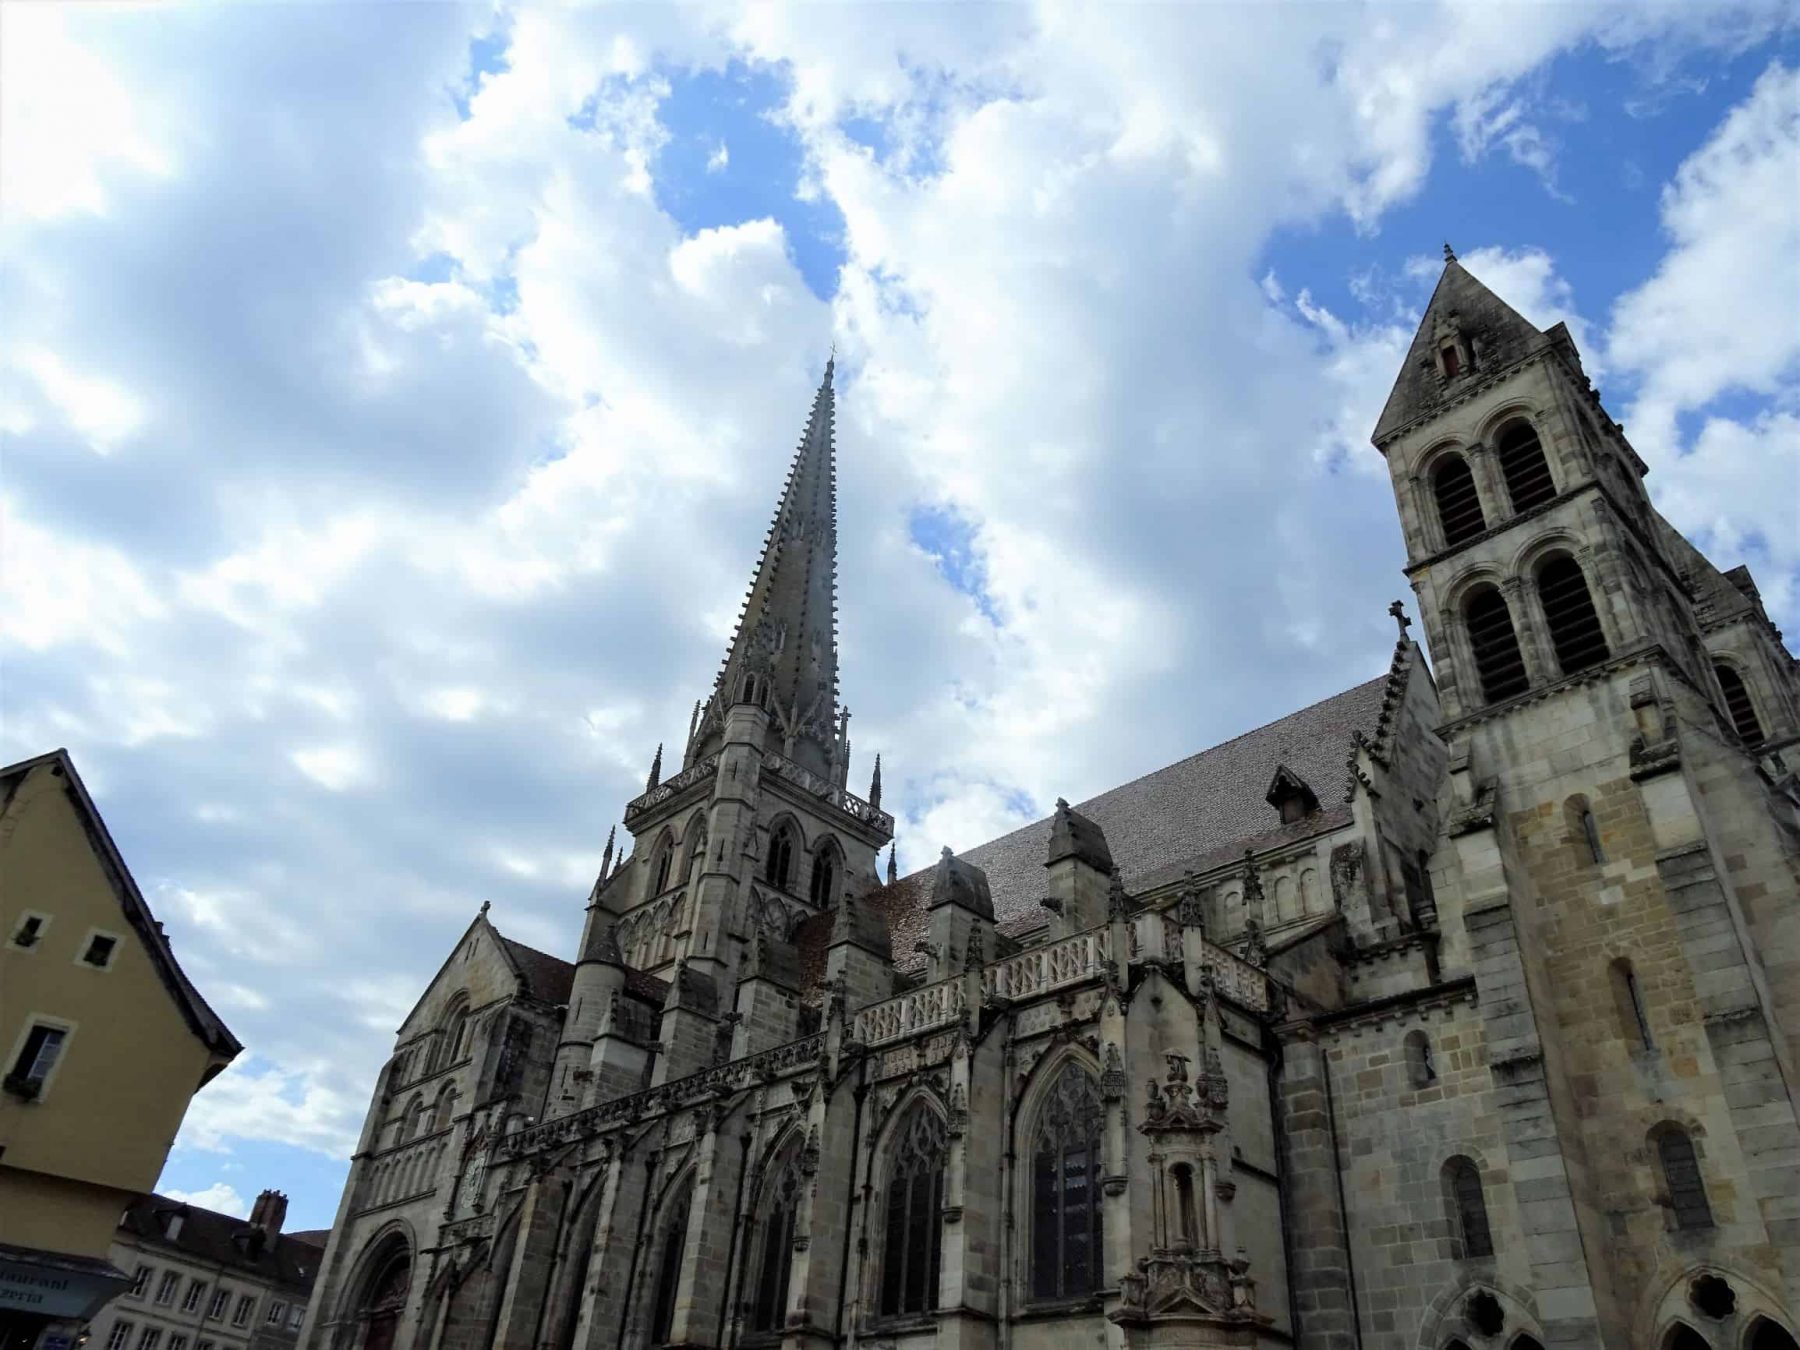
(54, 1284)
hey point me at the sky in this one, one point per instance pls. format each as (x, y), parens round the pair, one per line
(393, 398)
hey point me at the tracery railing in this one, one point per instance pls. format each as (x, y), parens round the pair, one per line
(931, 1005)
(1079, 957)
(825, 790)
(700, 768)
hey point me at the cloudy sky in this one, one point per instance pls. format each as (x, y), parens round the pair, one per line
(393, 398)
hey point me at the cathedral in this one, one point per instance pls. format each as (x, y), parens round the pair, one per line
(1458, 1011)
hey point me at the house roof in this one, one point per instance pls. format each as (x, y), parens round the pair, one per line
(206, 1024)
(1197, 812)
(1501, 336)
(223, 1240)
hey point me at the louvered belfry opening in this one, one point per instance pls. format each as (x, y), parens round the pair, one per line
(1496, 645)
(1569, 612)
(1458, 504)
(1524, 467)
(1737, 703)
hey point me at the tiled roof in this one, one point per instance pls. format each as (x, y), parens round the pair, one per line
(312, 1237)
(1205, 807)
(547, 978)
(221, 1240)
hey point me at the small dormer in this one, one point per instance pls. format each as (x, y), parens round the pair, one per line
(1451, 349)
(1289, 794)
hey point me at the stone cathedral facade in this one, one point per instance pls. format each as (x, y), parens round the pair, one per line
(1459, 1011)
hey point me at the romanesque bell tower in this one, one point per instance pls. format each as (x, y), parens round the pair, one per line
(754, 835)
(1622, 852)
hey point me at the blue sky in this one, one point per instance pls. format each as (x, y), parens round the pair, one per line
(394, 397)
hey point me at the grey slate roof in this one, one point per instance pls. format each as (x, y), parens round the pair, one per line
(224, 1241)
(1500, 334)
(546, 977)
(1196, 812)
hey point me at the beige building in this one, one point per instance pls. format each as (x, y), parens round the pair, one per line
(1458, 1011)
(105, 1042)
(201, 1280)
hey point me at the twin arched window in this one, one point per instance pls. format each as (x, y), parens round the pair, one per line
(1495, 644)
(1738, 704)
(824, 879)
(1523, 466)
(768, 1309)
(914, 1227)
(1467, 1204)
(1065, 1189)
(1570, 615)
(1458, 503)
(778, 869)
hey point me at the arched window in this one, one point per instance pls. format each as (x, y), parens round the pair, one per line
(696, 856)
(1458, 503)
(824, 879)
(1495, 645)
(1684, 1337)
(1769, 1335)
(1523, 465)
(914, 1229)
(1065, 1189)
(668, 1265)
(779, 869)
(412, 1126)
(1628, 1001)
(665, 864)
(456, 1031)
(1468, 1208)
(781, 1202)
(1569, 612)
(1420, 1071)
(1187, 1217)
(1739, 706)
(446, 1108)
(1681, 1175)
(1526, 1343)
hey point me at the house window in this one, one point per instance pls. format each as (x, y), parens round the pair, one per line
(221, 1299)
(1495, 644)
(178, 1342)
(150, 1338)
(171, 1281)
(196, 1292)
(296, 1315)
(140, 1281)
(277, 1311)
(1458, 503)
(915, 1215)
(241, 1314)
(30, 930)
(99, 951)
(203, 1345)
(1681, 1173)
(1738, 704)
(1523, 466)
(1065, 1189)
(769, 1311)
(37, 1057)
(120, 1336)
(1569, 611)
(1468, 1208)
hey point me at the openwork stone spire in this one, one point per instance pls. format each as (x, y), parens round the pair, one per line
(784, 653)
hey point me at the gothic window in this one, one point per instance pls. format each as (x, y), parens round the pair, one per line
(446, 1107)
(779, 869)
(665, 863)
(1684, 1337)
(696, 857)
(1458, 503)
(1738, 704)
(1526, 1343)
(1768, 1335)
(1681, 1175)
(1187, 1220)
(782, 1204)
(1065, 1189)
(1420, 1071)
(456, 1032)
(1523, 465)
(1495, 645)
(413, 1125)
(668, 1265)
(1569, 612)
(824, 879)
(1628, 1002)
(1468, 1208)
(914, 1226)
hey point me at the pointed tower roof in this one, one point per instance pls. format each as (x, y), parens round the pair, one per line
(1494, 336)
(786, 637)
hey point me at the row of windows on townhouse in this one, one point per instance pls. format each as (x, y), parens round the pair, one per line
(278, 1312)
(43, 1040)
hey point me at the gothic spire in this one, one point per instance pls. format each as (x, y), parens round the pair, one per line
(655, 769)
(783, 655)
(875, 784)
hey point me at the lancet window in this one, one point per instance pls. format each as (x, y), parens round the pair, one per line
(1495, 644)
(914, 1231)
(1065, 1189)
(768, 1309)
(1458, 503)
(1524, 467)
(1468, 1208)
(824, 879)
(779, 868)
(1569, 611)
(1681, 1174)
(668, 1265)
(1738, 704)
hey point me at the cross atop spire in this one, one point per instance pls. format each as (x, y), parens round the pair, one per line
(783, 655)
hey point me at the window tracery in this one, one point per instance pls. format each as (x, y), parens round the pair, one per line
(1065, 1188)
(782, 1199)
(913, 1248)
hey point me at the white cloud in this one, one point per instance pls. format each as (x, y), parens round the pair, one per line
(719, 159)
(337, 767)
(100, 410)
(220, 1197)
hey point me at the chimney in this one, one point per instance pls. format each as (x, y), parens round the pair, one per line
(268, 1213)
